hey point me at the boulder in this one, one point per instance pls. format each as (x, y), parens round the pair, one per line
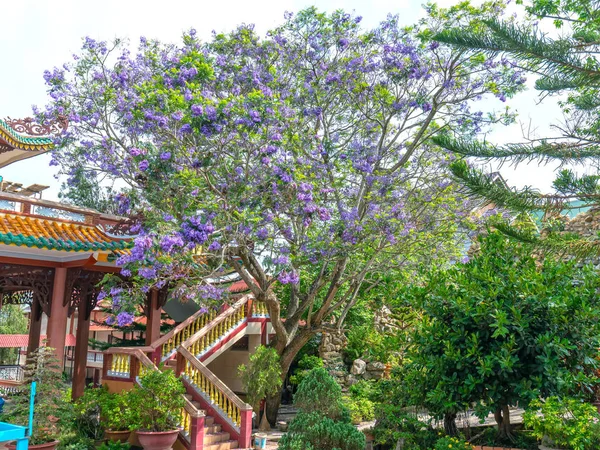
(375, 366)
(358, 367)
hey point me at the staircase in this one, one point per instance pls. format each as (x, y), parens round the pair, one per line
(214, 417)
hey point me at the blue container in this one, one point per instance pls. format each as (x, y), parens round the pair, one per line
(260, 441)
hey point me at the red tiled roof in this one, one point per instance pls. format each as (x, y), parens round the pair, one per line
(238, 286)
(22, 340)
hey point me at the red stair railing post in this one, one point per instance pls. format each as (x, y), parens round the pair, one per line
(197, 433)
(156, 355)
(246, 429)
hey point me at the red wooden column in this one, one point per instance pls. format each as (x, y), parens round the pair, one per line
(81, 348)
(153, 323)
(57, 322)
(35, 326)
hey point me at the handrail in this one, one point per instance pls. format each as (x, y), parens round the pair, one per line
(216, 322)
(214, 391)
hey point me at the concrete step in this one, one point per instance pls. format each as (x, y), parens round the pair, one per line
(209, 421)
(214, 438)
(229, 445)
(215, 428)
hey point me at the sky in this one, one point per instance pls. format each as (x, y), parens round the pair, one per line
(39, 35)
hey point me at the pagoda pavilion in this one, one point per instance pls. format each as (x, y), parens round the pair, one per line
(52, 255)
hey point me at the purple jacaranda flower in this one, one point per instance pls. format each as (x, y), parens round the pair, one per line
(143, 166)
(465, 259)
(110, 320)
(288, 277)
(147, 272)
(281, 259)
(262, 234)
(214, 246)
(178, 115)
(136, 151)
(165, 155)
(124, 319)
(197, 110)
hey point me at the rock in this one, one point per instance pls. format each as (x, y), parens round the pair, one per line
(375, 366)
(351, 380)
(358, 367)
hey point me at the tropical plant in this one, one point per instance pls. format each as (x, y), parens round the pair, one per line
(566, 423)
(156, 402)
(261, 378)
(501, 330)
(300, 159)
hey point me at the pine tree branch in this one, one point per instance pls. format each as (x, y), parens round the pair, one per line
(543, 152)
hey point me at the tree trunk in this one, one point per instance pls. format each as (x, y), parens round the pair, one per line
(502, 416)
(450, 424)
(286, 357)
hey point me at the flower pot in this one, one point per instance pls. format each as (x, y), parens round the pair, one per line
(118, 436)
(48, 446)
(151, 440)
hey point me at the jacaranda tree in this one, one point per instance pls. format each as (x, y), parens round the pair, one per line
(300, 160)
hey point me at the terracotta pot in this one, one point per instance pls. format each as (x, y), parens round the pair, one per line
(150, 440)
(49, 446)
(118, 436)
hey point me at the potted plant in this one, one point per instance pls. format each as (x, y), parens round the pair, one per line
(156, 404)
(50, 400)
(568, 424)
(115, 414)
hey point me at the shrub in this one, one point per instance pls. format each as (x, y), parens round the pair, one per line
(323, 422)
(360, 401)
(115, 412)
(397, 423)
(53, 411)
(157, 401)
(453, 443)
(567, 423)
(315, 432)
(305, 365)
(319, 392)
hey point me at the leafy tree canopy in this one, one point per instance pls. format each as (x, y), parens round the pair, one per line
(300, 159)
(502, 330)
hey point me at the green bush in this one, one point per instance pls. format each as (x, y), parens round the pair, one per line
(396, 422)
(313, 431)
(566, 423)
(361, 409)
(319, 392)
(452, 443)
(157, 401)
(305, 365)
(360, 401)
(323, 422)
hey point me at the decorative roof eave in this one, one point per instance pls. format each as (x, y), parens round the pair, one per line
(23, 142)
(57, 234)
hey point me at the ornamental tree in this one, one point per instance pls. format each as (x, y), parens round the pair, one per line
(299, 160)
(501, 330)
